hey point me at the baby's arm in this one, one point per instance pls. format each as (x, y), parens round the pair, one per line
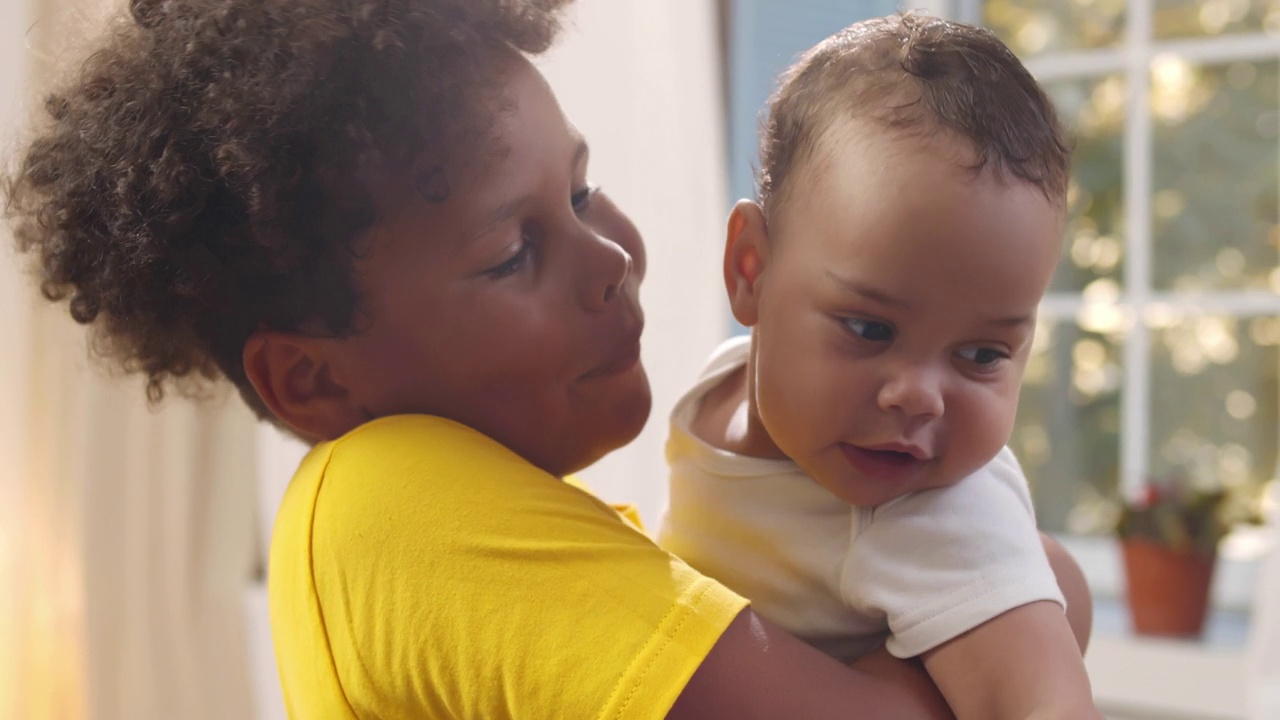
(963, 580)
(1024, 663)
(1079, 616)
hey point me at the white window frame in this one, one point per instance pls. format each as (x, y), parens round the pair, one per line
(1139, 300)
(1134, 674)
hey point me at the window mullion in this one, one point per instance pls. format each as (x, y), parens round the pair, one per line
(1137, 172)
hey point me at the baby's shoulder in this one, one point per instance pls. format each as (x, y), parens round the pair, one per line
(995, 489)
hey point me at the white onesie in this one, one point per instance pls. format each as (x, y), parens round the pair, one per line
(913, 573)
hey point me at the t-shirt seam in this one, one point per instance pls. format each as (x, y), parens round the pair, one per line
(665, 637)
(315, 590)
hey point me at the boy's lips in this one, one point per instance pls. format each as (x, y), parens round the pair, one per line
(624, 356)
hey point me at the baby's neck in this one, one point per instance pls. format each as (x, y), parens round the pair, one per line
(726, 419)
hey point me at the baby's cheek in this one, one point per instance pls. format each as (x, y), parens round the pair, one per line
(983, 430)
(797, 412)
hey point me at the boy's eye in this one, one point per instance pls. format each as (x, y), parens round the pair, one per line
(514, 264)
(983, 356)
(869, 329)
(582, 198)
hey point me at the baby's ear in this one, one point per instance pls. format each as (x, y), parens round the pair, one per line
(296, 380)
(746, 250)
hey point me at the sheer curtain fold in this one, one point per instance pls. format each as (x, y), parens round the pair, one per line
(1262, 663)
(126, 532)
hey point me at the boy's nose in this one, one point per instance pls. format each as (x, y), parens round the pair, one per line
(606, 269)
(915, 392)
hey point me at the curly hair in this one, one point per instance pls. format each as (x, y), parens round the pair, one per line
(195, 180)
(915, 73)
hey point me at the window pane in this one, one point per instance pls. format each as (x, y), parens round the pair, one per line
(1067, 434)
(1094, 249)
(1216, 161)
(1214, 398)
(1029, 27)
(1199, 18)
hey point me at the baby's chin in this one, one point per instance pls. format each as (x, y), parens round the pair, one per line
(861, 491)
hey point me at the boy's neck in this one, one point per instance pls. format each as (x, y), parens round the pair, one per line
(726, 418)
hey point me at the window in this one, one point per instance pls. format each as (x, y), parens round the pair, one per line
(1160, 341)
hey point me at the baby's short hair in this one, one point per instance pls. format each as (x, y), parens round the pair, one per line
(916, 74)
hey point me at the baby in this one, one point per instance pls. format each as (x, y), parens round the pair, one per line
(845, 466)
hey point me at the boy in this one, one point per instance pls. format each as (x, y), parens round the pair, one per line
(844, 467)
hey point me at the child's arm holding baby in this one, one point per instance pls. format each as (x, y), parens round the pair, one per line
(965, 584)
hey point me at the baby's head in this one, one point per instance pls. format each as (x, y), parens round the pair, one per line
(348, 208)
(912, 192)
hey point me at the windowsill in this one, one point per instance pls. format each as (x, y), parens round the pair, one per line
(1225, 629)
(1149, 678)
(1234, 577)
(1144, 677)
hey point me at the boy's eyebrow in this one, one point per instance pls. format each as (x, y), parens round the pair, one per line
(504, 211)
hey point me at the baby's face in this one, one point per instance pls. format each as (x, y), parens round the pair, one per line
(897, 306)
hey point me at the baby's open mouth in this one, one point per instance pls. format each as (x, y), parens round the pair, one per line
(894, 456)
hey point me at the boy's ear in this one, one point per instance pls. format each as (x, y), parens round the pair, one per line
(746, 250)
(296, 380)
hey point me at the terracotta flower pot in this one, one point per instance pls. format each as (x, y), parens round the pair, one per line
(1168, 589)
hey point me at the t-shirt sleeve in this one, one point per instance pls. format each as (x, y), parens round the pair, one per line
(457, 580)
(938, 563)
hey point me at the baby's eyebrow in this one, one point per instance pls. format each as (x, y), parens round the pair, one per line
(1014, 321)
(870, 293)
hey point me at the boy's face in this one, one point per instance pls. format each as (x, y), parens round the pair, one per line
(512, 304)
(894, 312)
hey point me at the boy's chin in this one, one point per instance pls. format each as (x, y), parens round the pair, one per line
(612, 429)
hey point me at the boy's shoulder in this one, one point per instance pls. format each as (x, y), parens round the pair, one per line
(405, 459)
(413, 438)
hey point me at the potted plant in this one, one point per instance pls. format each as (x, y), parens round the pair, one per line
(1169, 538)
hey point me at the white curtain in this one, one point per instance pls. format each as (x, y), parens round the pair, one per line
(1262, 664)
(126, 533)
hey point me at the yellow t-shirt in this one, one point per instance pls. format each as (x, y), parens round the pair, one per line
(421, 570)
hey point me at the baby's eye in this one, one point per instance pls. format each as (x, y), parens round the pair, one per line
(983, 356)
(869, 329)
(581, 199)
